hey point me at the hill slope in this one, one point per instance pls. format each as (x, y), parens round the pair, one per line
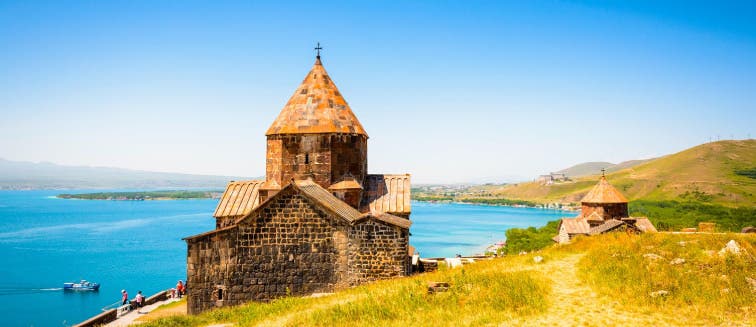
(719, 172)
(590, 168)
(606, 280)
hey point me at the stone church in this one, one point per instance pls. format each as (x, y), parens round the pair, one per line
(317, 223)
(603, 209)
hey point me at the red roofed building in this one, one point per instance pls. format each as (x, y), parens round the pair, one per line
(603, 209)
(317, 223)
(604, 200)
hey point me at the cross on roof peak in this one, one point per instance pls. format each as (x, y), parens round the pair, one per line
(318, 48)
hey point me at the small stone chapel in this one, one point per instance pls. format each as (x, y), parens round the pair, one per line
(603, 210)
(317, 223)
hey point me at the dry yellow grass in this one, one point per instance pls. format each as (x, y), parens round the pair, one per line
(597, 281)
(164, 311)
(708, 168)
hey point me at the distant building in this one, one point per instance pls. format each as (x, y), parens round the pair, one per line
(603, 209)
(551, 178)
(317, 223)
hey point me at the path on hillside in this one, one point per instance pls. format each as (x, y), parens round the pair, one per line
(573, 303)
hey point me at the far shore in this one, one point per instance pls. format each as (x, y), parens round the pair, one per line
(536, 206)
(144, 195)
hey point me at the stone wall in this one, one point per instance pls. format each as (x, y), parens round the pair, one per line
(287, 247)
(100, 319)
(274, 159)
(377, 251)
(348, 157)
(606, 210)
(326, 158)
(211, 264)
(223, 222)
(351, 197)
(290, 246)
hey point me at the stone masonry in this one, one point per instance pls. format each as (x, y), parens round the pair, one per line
(290, 246)
(317, 223)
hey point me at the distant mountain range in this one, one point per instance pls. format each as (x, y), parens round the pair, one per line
(721, 172)
(592, 168)
(19, 175)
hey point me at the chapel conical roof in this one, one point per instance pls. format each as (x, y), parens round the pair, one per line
(604, 192)
(317, 106)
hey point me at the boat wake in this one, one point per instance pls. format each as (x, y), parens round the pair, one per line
(27, 290)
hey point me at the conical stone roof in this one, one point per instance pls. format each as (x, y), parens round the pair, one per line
(317, 106)
(604, 192)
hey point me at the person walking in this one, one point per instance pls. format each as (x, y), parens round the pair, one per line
(180, 289)
(139, 301)
(124, 297)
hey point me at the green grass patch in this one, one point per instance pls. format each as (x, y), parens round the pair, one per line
(750, 172)
(674, 215)
(432, 198)
(529, 239)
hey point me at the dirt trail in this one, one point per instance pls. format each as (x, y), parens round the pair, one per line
(573, 303)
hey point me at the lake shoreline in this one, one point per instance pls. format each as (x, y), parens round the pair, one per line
(163, 195)
(495, 205)
(120, 199)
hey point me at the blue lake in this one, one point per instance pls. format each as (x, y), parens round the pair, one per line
(136, 245)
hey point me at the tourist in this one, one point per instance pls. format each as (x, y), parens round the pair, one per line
(179, 288)
(139, 300)
(124, 297)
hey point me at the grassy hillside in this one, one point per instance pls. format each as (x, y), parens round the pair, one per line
(590, 168)
(717, 173)
(607, 280)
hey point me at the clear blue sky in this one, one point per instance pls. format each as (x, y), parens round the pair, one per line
(448, 91)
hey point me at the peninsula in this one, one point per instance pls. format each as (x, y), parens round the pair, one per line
(144, 195)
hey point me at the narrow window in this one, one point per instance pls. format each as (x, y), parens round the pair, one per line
(307, 158)
(220, 294)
